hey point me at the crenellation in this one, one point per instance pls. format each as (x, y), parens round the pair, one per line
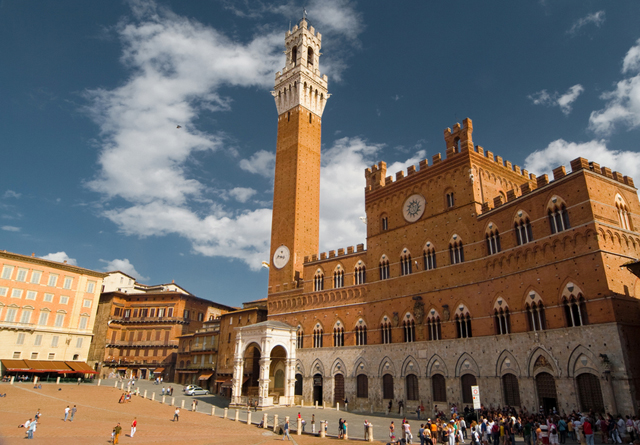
(595, 167)
(532, 176)
(314, 257)
(388, 180)
(349, 250)
(511, 195)
(525, 188)
(340, 251)
(399, 175)
(436, 158)
(516, 168)
(332, 254)
(485, 207)
(360, 247)
(411, 170)
(525, 173)
(489, 155)
(424, 164)
(459, 139)
(628, 181)
(323, 256)
(508, 165)
(480, 150)
(498, 201)
(579, 164)
(606, 171)
(543, 180)
(559, 172)
(499, 161)
(618, 177)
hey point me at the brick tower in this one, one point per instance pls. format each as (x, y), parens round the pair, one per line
(300, 95)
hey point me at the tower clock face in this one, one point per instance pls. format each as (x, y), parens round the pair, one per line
(413, 207)
(281, 257)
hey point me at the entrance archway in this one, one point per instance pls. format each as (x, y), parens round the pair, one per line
(338, 388)
(546, 388)
(590, 393)
(467, 380)
(317, 389)
(298, 388)
(251, 370)
(277, 372)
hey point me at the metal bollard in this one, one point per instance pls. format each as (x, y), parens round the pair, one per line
(226, 413)
(299, 430)
(322, 432)
(237, 415)
(275, 423)
(265, 419)
(248, 417)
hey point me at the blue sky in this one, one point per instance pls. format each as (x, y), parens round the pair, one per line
(96, 172)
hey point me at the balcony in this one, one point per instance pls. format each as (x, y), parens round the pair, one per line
(17, 326)
(138, 320)
(143, 344)
(200, 348)
(197, 366)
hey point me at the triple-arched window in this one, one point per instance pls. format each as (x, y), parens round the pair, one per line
(361, 333)
(522, 229)
(338, 277)
(299, 338)
(535, 313)
(575, 310)
(434, 328)
(456, 250)
(338, 335)
(384, 268)
(429, 256)
(359, 274)
(317, 336)
(318, 280)
(385, 330)
(492, 237)
(623, 213)
(405, 263)
(409, 328)
(558, 215)
(502, 317)
(463, 322)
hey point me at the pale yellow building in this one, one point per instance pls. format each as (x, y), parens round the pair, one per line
(47, 312)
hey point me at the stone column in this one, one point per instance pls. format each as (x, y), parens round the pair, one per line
(248, 417)
(290, 379)
(213, 410)
(263, 381)
(275, 423)
(237, 415)
(99, 381)
(238, 373)
(153, 396)
(370, 430)
(226, 413)
(322, 432)
(265, 419)
(145, 394)
(299, 430)
(163, 399)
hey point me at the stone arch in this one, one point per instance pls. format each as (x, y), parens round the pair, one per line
(317, 367)
(387, 367)
(531, 296)
(541, 360)
(467, 365)
(582, 360)
(300, 367)
(361, 367)
(272, 346)
(507, 364)
(570, 288)
(410, 366)
(338, 367)
(437, 365)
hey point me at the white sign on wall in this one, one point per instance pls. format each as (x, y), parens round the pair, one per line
(475, 392)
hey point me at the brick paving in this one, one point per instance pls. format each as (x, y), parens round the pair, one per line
(99, 411)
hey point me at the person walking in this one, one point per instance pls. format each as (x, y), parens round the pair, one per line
(32, 429)
(117, 430)
(66, 413)
(73, 413)
(176, 415)
(134, 426)
(286, 430)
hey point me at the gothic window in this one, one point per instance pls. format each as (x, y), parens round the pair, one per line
(405, 263)
(310, 57)
(623, 213)
(360, 273)
(361, 333)
(338, 335)
(522, 229)
(299, 338)
(384, 268)
(411, 382)
(434, 329)
(294, 55)
(535, 313)
(429, 257)
(456, 250)
(439, 388)
(463, 322)
(409, 328)
(387, 386)
(492, 238)
(385, 223)
(450, 199)
(385, 329)
(317, 336)
(502, 321)
(558, 216)
(362, 386)
(338, 278)
(575, 310)
(318, 281)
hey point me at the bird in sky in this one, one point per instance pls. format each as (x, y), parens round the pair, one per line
(179, 126)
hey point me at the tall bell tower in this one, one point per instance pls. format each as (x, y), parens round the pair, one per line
(300, 94)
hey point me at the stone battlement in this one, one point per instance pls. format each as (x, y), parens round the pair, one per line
(332, 254)
(303, 25)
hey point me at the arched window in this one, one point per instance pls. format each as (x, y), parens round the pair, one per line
(338, 335)
(361, 333)
(384, 223)
(492, 238)
(511, 390)
(338, 277)
(575, 310)
(310, 57)
(385, 329)
(522, 229)
(558, 215)
(405, 263)
(463, 322)
(429, 256)
(299, 338)
(535, 313)
(384, 268)
(409, 328)
(360, 273)
(411, 384)
(317, 336)
(318, 280)
(294, 55)
(387, 386)
(456, 250)
(362, 390)
(450, 200)
(433, 325)
(623, 213)
(502, 321)
(439, 388)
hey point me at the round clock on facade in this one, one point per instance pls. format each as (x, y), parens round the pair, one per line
(413, 208)
(281, 257)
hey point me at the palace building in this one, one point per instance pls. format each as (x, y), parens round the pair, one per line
(475, 272)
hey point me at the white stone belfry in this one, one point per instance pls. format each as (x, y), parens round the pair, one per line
(266, 336)
(300, 82)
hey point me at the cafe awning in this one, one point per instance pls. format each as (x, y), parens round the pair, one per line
(188, 372)
(227, 384)
(48, 366)
(81, 367)
(158, 370)
(15, 365)
(122, 369)
(205, 376)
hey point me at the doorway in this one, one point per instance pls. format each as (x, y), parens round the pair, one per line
(317, 389)
(338, 389)
(546, 388)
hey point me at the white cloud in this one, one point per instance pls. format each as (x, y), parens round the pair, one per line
(623, 103)
(597, 18)
(11, 194)
(631, 61)
(11, 228)
(242, 194)
(125, 266)
(564, 101)
(261, 162)
(60, 257)
(561, 152)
